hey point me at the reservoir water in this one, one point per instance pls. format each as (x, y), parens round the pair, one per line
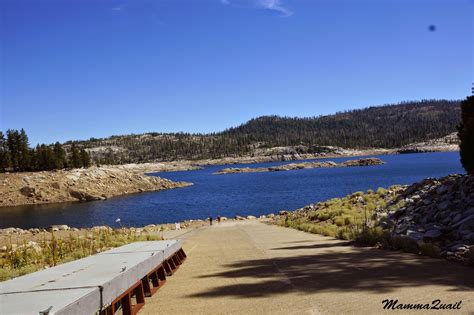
(228, 195)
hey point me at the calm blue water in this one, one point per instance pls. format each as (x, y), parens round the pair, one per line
(228, 195)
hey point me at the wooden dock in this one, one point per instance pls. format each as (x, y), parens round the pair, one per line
(115, 281)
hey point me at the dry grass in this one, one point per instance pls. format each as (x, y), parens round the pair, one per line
(353, 218)
(349, 218)
(28, 257)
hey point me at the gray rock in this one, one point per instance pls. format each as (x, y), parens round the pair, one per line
(433, 234)
(442, 189)
(469, 211)
(414, 235)
(83, 196)
(443, 206)
(59, 227)
(466, 222)
(459, 248)
(9, 230)
(457, 218)
(27, 191)
(401, 229)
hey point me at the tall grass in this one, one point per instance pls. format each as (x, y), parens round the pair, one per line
(354, 217)
(350, 218)
(48, 252)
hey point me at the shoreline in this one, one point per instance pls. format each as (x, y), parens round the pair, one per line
(19, 236)
(418, 218)
(303, 165)
(101, 183)
(77, 185)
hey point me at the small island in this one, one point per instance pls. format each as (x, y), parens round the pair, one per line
(302, 165)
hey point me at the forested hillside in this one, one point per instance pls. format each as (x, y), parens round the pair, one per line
(374, 127)
(388, 126)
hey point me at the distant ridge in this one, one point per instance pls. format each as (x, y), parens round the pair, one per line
(388, 126)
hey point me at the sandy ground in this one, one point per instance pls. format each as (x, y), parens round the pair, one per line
(254, 268)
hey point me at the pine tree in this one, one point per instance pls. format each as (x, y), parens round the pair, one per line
(5, 158)
(85, 158)
(13, 140)
(466, 134)
(24, 151)
(35, 158)
(60, 160)
(75, 157)
(49, 159)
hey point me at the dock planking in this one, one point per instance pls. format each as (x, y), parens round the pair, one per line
(101, 283)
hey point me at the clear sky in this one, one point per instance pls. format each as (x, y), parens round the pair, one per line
(74, 69)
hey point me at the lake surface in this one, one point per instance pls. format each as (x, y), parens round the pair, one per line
(228, 195)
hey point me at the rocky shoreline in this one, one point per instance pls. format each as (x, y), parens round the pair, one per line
(448, 143)
(433, 217)
(95, 183)
(113, 180)
(439, 211)
(303, 165)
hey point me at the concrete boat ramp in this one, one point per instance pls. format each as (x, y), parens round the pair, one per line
(112, 281)
(250, 267)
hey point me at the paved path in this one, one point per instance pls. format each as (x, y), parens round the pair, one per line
(254, 268)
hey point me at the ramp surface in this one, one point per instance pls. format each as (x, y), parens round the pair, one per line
(253, 268)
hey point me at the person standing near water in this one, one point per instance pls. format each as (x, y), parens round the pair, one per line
(210, 220)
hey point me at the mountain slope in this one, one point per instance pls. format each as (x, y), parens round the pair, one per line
(374, 127)
(388, 126)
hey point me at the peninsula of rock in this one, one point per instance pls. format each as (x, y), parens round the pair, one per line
(302, 165)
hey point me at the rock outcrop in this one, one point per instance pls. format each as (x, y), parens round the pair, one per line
(440, 211)
(95, 183)
(303, 165)
(444, 144)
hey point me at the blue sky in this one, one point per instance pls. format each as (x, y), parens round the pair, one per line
(74, 69)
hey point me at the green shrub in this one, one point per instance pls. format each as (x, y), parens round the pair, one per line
(348, 220)
(405, 244)
(339, 221)
(429, 249)
(345, 218)
(372, 237)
